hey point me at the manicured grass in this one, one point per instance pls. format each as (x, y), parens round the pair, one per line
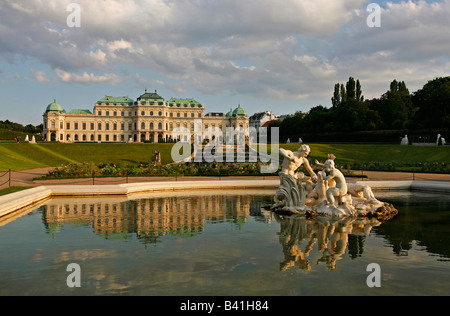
(12, 190)
(433, 159)
(377, 153)
(20, 156)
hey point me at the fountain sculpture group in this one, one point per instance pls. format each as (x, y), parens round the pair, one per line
(326, 192)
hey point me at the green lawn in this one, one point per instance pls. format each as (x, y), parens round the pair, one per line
(20, 156)
(12, 190)
(377, 153)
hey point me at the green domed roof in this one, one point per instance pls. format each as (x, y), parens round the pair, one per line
(229, 114)
(239, 111)
(55, 107)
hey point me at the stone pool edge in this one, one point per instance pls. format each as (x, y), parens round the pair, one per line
(14, 202)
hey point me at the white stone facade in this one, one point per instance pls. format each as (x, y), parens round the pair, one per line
(148, 119)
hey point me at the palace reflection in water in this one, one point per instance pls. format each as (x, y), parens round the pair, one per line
(148, 219)
(305, 242)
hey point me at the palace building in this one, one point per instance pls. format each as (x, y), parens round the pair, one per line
(149, 118)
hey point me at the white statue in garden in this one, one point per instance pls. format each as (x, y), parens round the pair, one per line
(340, 189)
(294, 185)
(326, 193)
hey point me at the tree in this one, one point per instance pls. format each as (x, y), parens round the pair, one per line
(433, 104)
(395, 107)
(351, 88)
(336, 99)
(359, 96)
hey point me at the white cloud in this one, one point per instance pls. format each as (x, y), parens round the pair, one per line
(278, 49)
(40, 75)
(67, 77)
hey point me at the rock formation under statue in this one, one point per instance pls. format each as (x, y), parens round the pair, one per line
(326, 193)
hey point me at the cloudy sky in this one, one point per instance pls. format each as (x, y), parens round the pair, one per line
(277, 55)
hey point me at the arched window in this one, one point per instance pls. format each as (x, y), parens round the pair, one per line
(142, 125)
(160, 126)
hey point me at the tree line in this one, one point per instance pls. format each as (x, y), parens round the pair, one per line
(396, 109)
(17, 127)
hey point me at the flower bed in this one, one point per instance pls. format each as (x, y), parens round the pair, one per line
(424, 167)
(89, 170)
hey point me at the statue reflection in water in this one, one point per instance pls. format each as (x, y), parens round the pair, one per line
(299, 235)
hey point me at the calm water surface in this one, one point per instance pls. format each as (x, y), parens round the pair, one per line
(223, 245)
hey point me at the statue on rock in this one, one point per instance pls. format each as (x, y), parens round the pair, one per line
(326, 193)
(294, 185)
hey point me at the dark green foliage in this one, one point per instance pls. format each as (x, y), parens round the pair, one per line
(433, 104)
(395, 110)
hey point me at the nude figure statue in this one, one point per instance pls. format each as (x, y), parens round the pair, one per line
(293, 161)
(340, 189)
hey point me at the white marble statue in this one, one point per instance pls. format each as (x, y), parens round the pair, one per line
(294, 185)
(324, 194)
(404, 140)
(440, 140)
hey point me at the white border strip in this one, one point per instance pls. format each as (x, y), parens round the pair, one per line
(16, 201)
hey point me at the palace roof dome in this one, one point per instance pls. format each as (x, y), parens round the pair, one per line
(55, 107)
(239, 111)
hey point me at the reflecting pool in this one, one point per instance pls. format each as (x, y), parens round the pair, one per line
(223, 243)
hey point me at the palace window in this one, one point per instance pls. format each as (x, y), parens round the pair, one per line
(67, 125)
(76, 125)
